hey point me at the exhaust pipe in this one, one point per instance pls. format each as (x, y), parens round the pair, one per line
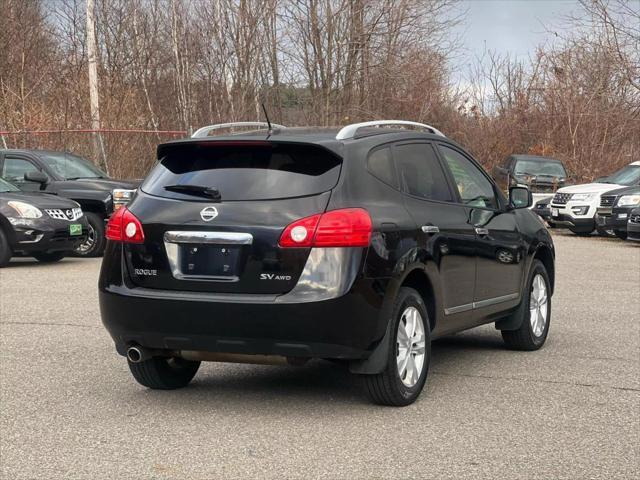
(137, 354)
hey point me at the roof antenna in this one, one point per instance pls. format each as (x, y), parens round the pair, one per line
(266, 115)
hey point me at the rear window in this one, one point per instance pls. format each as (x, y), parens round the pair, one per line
(264, 171)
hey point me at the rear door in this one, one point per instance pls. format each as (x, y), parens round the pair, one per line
(196, 241)
(444, 231)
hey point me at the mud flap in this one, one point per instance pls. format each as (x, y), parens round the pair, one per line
(377, 361)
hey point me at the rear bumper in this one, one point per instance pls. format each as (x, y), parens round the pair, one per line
(345, 327)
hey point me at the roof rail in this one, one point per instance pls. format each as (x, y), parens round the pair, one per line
(350, 130)
(204, 131)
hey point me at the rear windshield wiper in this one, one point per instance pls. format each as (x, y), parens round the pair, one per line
(197, 190)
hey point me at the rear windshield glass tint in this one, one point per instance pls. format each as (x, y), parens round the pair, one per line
(245, 172)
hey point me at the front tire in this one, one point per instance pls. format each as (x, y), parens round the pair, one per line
(621, 234)
(94, 245)
(162, 373)
(536, 312)
(405, 374)
(51, 257)
(5, 249)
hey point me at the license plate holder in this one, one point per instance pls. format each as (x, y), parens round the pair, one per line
(202, 260)
(555, 212)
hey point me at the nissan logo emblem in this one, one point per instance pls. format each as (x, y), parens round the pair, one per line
(208, 213)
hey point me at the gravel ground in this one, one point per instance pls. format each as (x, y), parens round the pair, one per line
(70, 409)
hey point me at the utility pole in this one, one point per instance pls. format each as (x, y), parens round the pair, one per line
(98, 145)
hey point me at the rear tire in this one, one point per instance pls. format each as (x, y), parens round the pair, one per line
(531, 335)
(162, 373)
(5, 249)
(51, 257)
(96, 241)
(397, 386)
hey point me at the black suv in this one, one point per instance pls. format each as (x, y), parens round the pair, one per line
(542, 175)
(361, 245)
(70, 176)
(615, 209)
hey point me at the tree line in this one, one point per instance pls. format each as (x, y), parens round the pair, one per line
(181, 64)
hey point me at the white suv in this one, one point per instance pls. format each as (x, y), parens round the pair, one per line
(575, 207)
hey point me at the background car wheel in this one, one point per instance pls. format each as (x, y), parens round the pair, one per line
(404, 377)
(162, 373)
(605, 232)
(49, 257)
(534, 326)
(621, 234)
(5, 249)
(581, 232)
(94, 245)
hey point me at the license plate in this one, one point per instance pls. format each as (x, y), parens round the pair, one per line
(554, 212)
(75, 229)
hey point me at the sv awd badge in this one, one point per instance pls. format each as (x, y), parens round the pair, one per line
(208, 213)
(273, 276)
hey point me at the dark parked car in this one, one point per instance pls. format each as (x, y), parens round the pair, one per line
(361, 245)
(633, 225)
(73, 177)
(543, 207)
(615, 208)
(38, 225)
(542, 175)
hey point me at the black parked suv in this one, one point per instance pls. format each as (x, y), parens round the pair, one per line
(615, 208)
(361, 245)
(70, 176)
(542, 175)
(38, 225)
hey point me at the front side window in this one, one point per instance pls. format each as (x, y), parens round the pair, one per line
(420, 172)
(473, 186)
(14, 169)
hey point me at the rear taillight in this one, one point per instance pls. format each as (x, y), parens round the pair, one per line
(348, 227)
(123, 226)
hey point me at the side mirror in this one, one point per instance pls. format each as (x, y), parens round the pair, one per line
(520, 197)
(37, 177)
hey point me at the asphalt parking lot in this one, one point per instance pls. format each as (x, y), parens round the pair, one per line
(70, 409)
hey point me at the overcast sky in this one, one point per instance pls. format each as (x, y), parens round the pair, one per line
(509, 26)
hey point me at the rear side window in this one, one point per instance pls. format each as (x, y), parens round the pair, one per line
(380, 165)
(245, 171)
(420, 172)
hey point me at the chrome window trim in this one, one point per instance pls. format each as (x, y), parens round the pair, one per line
(480, 304)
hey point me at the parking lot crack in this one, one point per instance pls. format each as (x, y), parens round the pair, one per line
(50, 324)
(537, 380)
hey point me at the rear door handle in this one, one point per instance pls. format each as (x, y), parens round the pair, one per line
(430, 229)
(482, 231)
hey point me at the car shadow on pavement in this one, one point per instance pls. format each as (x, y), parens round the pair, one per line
(24, 262)
(249, 387)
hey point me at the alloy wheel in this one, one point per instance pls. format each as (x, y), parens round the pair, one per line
(538, 305)
(87, 245)
(410, 346)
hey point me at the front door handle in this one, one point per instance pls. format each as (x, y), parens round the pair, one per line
(482, 231)
(430, 229)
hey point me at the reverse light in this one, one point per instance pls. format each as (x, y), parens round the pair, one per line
(123, 226)
(25, 210)
(347, 227)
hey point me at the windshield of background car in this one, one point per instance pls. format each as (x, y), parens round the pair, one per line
(540, 168)
(7, 187)
(629, 175)
(245, 170)
(71, 167)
